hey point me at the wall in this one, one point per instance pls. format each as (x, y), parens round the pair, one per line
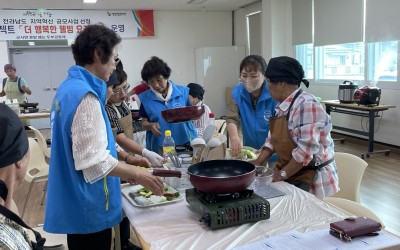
(178, 34)
(3, 60)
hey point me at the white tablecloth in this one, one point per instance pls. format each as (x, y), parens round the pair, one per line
(175, 226)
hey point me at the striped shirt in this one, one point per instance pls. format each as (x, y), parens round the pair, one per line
(310, 128)
(123, 109)
(203, 121)
(12, 235)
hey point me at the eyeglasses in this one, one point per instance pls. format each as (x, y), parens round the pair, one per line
(117, 60)
(122, 91)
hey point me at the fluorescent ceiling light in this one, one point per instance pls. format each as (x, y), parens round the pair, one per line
(196, 1)
(89, 1)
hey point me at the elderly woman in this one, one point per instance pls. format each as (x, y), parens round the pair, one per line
(84, 192)
(299, 132)
(163, 94)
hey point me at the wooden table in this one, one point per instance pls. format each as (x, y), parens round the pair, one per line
(359, 110)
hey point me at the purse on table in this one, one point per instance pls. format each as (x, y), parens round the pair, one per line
(350, 228)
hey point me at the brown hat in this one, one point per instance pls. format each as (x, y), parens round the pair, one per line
(9, 66)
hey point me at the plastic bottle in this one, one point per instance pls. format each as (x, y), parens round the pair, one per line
(168, 144)
(211, 121)
(133, 104)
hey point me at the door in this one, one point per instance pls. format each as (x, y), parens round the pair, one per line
(43, 69)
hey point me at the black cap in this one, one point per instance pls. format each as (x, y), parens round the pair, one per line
(13, 139)
(196, 90)
(285, 69)
(113, 80)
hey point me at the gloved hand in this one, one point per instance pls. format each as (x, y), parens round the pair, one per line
(154, 158)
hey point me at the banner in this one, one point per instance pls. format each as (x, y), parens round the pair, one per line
(66, 24)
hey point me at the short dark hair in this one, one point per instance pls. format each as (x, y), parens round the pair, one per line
(122, 76)
(253, 62)
(155, 67)
(94, 38)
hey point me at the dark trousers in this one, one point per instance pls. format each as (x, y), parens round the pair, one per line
(125, 231)
(99, 241)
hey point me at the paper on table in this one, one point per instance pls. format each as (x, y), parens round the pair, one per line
(322, 240)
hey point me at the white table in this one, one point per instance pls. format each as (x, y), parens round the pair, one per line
(175, 226)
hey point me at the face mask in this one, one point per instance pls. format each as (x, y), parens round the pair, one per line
(253, 85)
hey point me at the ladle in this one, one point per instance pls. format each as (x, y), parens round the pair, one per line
(197, 144)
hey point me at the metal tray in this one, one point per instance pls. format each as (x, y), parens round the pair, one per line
(126, 190)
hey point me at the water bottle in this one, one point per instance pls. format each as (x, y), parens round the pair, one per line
(168, 144)
(211, 120)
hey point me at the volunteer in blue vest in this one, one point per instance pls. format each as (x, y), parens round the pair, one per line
(163, 94)
(84, 193)
(249, 107)
(15, 87)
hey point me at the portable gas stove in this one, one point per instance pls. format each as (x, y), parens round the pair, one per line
(226, 210)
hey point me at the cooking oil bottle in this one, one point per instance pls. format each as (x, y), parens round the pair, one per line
(168, 144)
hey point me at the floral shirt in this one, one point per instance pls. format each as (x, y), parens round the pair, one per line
(310, 126)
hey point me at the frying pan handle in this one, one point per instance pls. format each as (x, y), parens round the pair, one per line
(167, 173)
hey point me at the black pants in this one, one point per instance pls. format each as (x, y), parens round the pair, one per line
(125, 231)
(99, 241)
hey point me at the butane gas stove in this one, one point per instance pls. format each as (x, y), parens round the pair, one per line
(225, 210)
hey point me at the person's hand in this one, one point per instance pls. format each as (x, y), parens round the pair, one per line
(138, 161)
(154, 158)
(236, 146)
(151, 182)
(154, 128)
(277, 176)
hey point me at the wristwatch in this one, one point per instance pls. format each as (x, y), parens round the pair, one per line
(283, 174)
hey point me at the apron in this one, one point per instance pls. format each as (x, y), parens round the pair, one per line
(12, 92)
(283, 145)
(126, 123)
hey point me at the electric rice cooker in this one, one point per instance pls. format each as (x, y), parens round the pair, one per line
(367, 96)
(346, 92)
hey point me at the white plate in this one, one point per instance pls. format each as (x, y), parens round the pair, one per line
(126, 190)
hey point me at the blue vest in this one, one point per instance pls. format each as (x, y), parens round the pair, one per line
(255, 123)
(74, 206)
(182, 132)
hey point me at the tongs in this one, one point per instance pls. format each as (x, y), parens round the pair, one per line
(175, 159)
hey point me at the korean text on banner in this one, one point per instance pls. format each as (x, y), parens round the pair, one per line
(66, 24)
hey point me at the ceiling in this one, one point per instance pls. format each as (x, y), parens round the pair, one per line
(209, 5)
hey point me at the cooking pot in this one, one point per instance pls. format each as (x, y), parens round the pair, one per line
(367, 96)
(217, 176)
(346, 92)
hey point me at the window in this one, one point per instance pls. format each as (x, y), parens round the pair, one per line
(305, 55)
(340, 62)
(382, 61)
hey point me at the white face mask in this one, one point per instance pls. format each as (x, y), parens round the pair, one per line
(253, 85)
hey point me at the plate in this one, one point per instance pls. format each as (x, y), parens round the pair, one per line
(128, 189)
(245, 158)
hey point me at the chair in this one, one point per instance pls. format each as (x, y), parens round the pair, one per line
(353, 208)
(38, 169)
(350, 171)
(221, 125)
(42, 141)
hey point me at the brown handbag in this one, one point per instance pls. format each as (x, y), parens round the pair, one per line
(350, 228)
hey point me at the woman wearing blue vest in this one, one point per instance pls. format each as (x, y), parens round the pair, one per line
(84, 195)
(163, 94)
(250, 107)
